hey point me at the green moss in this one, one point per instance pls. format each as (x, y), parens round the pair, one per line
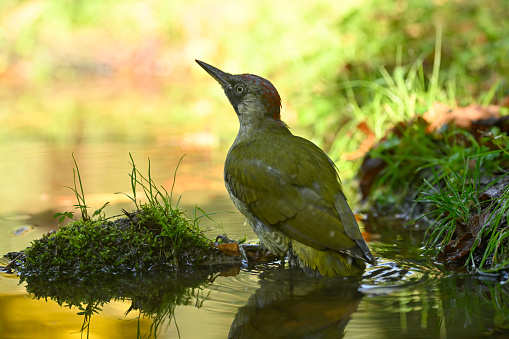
(157, 236)
(143, 240)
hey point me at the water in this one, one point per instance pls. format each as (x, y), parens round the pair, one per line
(404, 296)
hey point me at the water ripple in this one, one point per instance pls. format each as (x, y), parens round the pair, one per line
(227, 294)
(389, 276)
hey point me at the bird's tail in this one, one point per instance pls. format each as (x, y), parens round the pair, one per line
(352, 228)
(328, 263)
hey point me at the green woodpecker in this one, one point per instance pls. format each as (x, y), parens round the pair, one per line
(287, 188)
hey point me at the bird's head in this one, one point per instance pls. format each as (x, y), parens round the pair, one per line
(254, 98)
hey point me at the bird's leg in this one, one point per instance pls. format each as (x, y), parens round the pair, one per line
(247, 247)
(256, 252)
(293, 260)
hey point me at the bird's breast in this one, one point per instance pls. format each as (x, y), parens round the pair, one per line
(270, 237)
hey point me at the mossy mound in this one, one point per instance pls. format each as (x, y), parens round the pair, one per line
(144, 240)
(157, 237)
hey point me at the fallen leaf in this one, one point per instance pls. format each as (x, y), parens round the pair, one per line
(364, 147)
(370, 167)
(231, 249)
(456, 250)
(460, 248)
(440, 114)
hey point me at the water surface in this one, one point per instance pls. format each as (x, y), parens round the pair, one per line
(404, 296)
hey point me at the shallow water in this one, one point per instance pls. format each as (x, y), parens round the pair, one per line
(404, 296)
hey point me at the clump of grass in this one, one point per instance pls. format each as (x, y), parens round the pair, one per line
(182, 231)
(81, 204)
(392, 108)
(157, 235)
(446, 165)
(496, 255)
(471, 226)
(411, 157)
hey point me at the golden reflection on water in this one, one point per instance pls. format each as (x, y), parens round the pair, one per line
(24, 317)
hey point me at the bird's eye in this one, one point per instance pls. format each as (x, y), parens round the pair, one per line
(239, 89)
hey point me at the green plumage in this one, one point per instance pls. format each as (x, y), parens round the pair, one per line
(287, 187)
(293, 188)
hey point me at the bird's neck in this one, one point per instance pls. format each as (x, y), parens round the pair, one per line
(257, 129)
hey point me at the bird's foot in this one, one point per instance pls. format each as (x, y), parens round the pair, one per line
(223, 239)
(248, 248)
(255, 252)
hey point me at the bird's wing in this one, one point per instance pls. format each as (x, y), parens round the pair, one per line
(278, 198)
(350, 224)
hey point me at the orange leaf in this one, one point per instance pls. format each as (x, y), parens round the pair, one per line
(365, 145)
(231, 249)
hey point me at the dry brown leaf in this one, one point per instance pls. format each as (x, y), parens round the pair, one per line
(460, 248)
(365, 145)
(231, 249)
(441, 114)
(370, 167)
(456, 250)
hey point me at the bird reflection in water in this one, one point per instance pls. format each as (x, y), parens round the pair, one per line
(289, 304)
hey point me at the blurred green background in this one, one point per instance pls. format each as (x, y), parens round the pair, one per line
(119, 76)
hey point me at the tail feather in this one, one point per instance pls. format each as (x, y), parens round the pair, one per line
(328, 263)
(352, 228)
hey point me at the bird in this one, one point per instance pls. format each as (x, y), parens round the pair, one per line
(286, 187)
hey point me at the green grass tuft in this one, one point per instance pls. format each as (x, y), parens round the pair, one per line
(157, 235)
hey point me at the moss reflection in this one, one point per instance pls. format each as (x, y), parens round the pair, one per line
(153, 295)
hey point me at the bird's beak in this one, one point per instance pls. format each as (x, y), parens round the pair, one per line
(220, 76)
